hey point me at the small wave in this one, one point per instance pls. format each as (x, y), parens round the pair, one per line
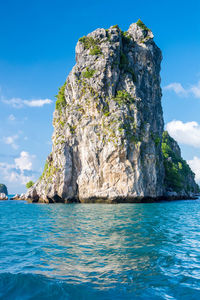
(39, 287)
(100, 252)
(31, 286)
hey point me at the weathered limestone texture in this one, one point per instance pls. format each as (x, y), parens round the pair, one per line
(108, 123)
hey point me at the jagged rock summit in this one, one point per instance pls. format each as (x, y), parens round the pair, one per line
(108, 123)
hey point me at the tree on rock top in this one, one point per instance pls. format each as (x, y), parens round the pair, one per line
(29, 184)
(142, 25)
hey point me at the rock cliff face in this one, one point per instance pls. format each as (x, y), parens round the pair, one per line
(108, 123)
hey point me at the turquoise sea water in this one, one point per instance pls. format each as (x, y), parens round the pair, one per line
(97, 251)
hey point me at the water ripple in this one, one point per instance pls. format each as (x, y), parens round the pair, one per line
(124, 251)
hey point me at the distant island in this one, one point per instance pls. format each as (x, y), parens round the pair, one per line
(3, 189)
(109, 143)
(3, 192)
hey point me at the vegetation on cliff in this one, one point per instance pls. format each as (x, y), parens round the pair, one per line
(29, 184)
(92, 44)
(178, 175)
(61, 102)
(142, 25)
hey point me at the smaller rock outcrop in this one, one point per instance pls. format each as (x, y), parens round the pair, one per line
(3, 196)
(3, 189)
(179, 179)
(18, 197)
(22, 197)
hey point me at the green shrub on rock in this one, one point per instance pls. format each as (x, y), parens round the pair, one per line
(95, 50)
(88, 42)
(92, 44)
(142, 25)
(29, 184)
(123, 97)
(61, 102)
(88, 73)
(126, 38)
(115, 26)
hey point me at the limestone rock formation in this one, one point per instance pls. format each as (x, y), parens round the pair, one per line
(3, 196)
(108, 123)
(3, 189)
(18, 197)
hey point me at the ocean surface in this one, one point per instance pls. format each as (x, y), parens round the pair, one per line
(97, 251)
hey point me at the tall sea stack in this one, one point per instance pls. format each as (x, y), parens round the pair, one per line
(108, 125)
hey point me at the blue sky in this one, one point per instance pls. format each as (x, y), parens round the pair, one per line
(37, 52)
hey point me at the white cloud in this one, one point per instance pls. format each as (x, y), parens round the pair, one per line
(186, 133)
(37, 103)
(20, 172)
(177, 88)
(10, 140)
(19, 103)
(11, 117)
(194, 90)
(24, 162)
(195, 166)
(13, 176)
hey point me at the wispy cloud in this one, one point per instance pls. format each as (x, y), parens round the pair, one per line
(11, 140)
(195, 166)
(195, 89)
(37, 103)
(20, 171)
(19, 103)
(11, 118)
(177, 87)
(186, 133)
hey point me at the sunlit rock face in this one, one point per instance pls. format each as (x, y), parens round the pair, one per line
(108, 123)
